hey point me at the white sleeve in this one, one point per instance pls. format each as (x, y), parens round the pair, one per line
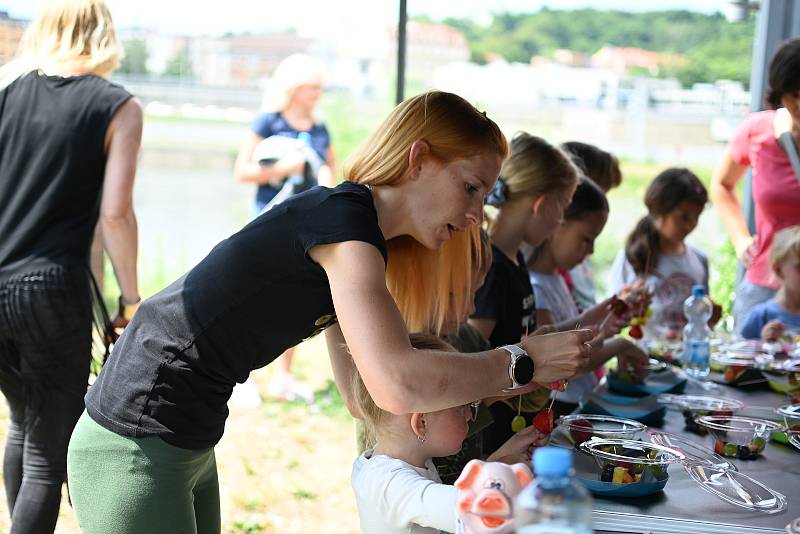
(542, 296)
(400, 497)
(621, 273)
(412, 498)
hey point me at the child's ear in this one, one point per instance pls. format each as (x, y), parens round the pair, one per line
(777, 271)
(418, 425)
(538, 204)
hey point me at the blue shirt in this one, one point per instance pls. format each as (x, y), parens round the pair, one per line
(764, 313)
(269, 124)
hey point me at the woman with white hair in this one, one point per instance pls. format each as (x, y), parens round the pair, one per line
(289, 111)
(69, 140)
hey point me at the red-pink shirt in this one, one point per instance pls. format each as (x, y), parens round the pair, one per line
(776, 190)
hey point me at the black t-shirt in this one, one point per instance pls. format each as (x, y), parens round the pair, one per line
(52, 165)
(256, 294)
(507, 297)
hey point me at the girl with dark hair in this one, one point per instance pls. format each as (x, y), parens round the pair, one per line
(603, 169)
(775, 185)
(570, 244)
(656, 252)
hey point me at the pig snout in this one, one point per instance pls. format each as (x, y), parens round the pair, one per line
(491, 502)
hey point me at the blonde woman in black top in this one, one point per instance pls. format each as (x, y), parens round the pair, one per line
(69, 139)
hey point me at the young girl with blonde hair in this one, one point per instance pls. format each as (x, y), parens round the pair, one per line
(536, 184)
(397, 487)
(780, 315)
(316, 260)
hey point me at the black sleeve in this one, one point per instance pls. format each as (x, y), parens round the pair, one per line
(346, 215)
(491, 300)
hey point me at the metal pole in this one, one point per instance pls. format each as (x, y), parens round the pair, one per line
(401, 53)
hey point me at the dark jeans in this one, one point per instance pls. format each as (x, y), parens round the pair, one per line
(45, 349)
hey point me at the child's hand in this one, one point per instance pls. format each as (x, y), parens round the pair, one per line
(519, 447)
(772, 331)
(635, 359)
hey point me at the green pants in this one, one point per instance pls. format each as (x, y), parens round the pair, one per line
(127, 485)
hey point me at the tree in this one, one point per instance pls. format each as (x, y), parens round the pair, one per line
(134, 62)
(711, 47)
(179, 66)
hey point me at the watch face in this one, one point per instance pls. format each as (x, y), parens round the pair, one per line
(523, 370)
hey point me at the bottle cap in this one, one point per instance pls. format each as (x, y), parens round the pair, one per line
(698, 291)
(552, 461)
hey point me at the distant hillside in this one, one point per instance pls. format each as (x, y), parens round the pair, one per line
(712, 47)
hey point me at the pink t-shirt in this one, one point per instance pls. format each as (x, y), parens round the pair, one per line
(776, 190)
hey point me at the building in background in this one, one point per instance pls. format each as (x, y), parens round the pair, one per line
(10, 35)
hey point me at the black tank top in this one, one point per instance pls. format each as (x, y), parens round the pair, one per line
(52, 163)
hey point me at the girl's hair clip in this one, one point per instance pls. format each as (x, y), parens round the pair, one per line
(499, 193)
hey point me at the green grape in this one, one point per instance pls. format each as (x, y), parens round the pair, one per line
(518, 423)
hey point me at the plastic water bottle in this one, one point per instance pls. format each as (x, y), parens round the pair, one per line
(696, 333)
(554, 503)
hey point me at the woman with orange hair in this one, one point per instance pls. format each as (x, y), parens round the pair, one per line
(159, 406)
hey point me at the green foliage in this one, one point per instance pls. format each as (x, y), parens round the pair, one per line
(302, 494)
(712, 48)
(135, 60)
(180, 66)
(248, 526)
(722, 267)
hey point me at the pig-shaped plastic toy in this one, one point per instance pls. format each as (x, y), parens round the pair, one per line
(486, 492)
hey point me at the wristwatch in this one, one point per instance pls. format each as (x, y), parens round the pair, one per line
(520, 367)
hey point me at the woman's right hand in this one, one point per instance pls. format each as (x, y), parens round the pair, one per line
(745, 249)
(558, 356)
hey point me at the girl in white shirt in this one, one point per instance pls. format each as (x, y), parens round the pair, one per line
(657, 253)
(397, 488)
(571, 243)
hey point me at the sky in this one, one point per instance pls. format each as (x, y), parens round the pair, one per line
(197, 17)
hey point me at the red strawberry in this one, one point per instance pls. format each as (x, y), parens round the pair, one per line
(580, 430)
(544, 421)
(636, 332)
(618, 305)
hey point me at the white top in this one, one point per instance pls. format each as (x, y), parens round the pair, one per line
(552, 294)
(670, 286)
(583, 284)
(394, 497)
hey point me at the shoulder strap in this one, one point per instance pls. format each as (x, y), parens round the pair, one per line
(786, 141)
(781, 123)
